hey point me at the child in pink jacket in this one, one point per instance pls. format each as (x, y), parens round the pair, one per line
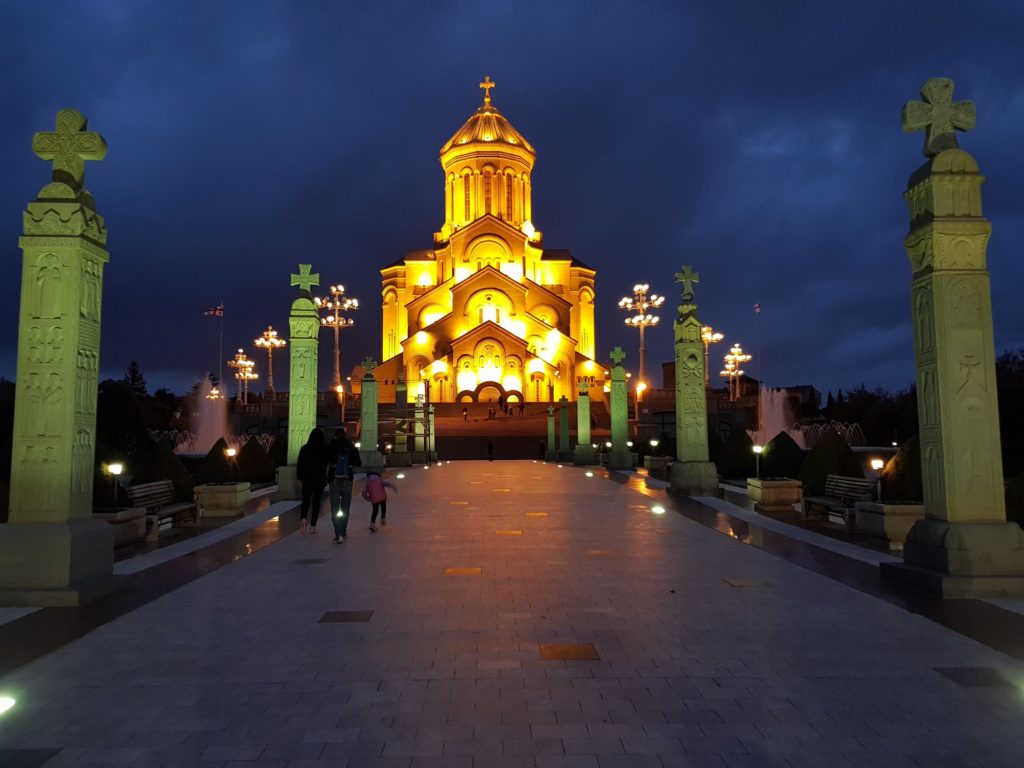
(375, 492)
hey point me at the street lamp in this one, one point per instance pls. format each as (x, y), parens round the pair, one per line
(878, 465)
(639, 303)
(270, 341)
(244, 373)
(115, 469)
(709, 337)
(640, 387)
(340, 389)
(334, 306)
(758, 450)
(732, 372)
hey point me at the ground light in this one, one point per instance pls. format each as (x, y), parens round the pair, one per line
(590, 474)
(401, 475)
(658, 509)
(6, 702)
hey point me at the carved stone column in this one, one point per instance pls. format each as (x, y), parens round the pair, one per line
(52, 552)
(563, 428)
(584, 453)
(964, 547)
(368, 430)
(620, 456)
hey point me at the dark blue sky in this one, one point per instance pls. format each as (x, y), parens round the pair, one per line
(758, 141)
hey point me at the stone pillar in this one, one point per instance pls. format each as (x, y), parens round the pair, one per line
(563, 428)
(52, 552)
(419, 446)
(964, 547)
(431, 447)
(368, 439)
(400, 456)
(584, 450)
(691, 473)
(552, 451)
(304, 325)
(620, 456)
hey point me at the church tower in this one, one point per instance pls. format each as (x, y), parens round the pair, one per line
(488, 311)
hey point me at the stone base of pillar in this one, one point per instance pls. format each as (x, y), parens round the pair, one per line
(372, 460)
(56, 564)
(288, 485)
(583, 455)
(620, 460)
(962, 560)
(400, 459)
(696, 478)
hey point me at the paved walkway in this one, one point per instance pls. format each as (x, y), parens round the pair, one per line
(712, 652)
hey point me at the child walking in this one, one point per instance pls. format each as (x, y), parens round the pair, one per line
(376, 493)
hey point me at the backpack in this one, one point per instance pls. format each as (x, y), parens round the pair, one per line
(341, 465)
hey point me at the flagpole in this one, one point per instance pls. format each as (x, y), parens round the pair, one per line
(220, 367)
(758, 364)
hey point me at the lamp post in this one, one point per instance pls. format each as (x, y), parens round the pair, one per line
(244, 373)
(270, 341)
(340, 389)
(640, 387)
(733, 361)
(334, 306)
(758, 450)
(115, 471)
(709, 337)
(639, 303)
(878, 465)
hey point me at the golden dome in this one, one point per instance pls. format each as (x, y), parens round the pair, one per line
(487, 126)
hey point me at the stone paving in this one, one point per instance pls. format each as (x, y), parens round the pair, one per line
(712, 652)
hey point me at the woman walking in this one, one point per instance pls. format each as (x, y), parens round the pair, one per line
(311, 470)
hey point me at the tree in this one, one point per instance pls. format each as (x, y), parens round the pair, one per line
(134, 379)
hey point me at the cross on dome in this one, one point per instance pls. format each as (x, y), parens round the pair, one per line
(938, 116)
(617, 355)
(687, 277)
(69, 147)
(487, 84)
(304, 279)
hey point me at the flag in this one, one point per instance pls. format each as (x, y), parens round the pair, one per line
(757, 308)
(217, 311)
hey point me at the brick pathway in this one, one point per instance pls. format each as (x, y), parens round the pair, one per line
(712, 653)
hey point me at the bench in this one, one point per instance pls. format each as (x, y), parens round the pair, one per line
(840, 498)
(163, 510)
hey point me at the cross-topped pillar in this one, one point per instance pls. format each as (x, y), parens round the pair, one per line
(692, 472)
(52, 551)
(619, 457)
(369, 435)
(964, 547)
(584, 452)
(304, 324)
(552, 450)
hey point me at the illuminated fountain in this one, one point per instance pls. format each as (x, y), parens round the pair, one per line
(209, 420)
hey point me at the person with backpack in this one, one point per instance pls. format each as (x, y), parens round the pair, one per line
(344, 457)
(311, 471)
(376, 493)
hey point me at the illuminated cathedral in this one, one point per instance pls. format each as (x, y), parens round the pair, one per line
(488, 312)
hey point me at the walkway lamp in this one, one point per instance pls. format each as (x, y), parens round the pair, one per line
(758, 450)
(334, 307)
(244, 373)
(639, 303)
(270, 341)
(709, 337)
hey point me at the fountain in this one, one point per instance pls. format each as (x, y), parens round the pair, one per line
(776, 414)
(209, 421)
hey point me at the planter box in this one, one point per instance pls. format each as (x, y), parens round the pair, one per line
(887, 523)
(657, 466)
(223, 499)
(776, 497)
(129, 524)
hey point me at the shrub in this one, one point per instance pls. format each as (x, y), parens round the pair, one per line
(216, 467)
(159, 462)
(736, 457)
(829, 456)
(254, 463)
(782, 457)
(901, 478)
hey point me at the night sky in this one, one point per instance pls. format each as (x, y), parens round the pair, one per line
(758, 141)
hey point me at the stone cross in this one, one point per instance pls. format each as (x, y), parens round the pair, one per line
(687, 277)
(369, 364)
(617, 355)
(938, 116)
(304, 279)
(69, 147)
(487, 84)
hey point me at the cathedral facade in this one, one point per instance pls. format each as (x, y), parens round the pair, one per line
(488, 312)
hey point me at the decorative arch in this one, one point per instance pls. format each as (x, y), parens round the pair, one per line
(488, 250)
(488, 304)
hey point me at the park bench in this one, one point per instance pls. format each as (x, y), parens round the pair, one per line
(840, 498)
(163, 510)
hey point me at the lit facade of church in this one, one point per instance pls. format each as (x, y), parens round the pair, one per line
(488, 311)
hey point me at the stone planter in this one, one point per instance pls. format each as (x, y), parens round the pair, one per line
(657, 466)
(129, 524)
(888, 524)
(223, 499)
(776, 496)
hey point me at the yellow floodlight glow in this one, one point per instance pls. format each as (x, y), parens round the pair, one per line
(231, 452)
(115, 469)
(877, 464)
(588, 366)
(438, 367)
(424, 280)
(553, 340)
(529, 230)
(421, 337)
(6, 703)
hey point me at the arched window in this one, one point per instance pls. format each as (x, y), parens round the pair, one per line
(487, 192)
(508, 197)
(465, 194)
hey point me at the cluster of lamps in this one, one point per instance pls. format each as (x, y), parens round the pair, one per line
(269, 341)
(245, 371)
(639, 303)
(732, 371)
(334, 307)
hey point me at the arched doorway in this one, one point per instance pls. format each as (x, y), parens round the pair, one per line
(489, 392)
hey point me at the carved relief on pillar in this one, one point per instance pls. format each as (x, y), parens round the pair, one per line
(92, 276)
(47, 295)
(966, 300)
(974, 469)
(86, 372)
(919, 248)
(933, 474)
(45, 344)
(82, 457)
(928, 410)
(924, 319)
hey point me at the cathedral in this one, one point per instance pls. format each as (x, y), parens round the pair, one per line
(488, 312)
